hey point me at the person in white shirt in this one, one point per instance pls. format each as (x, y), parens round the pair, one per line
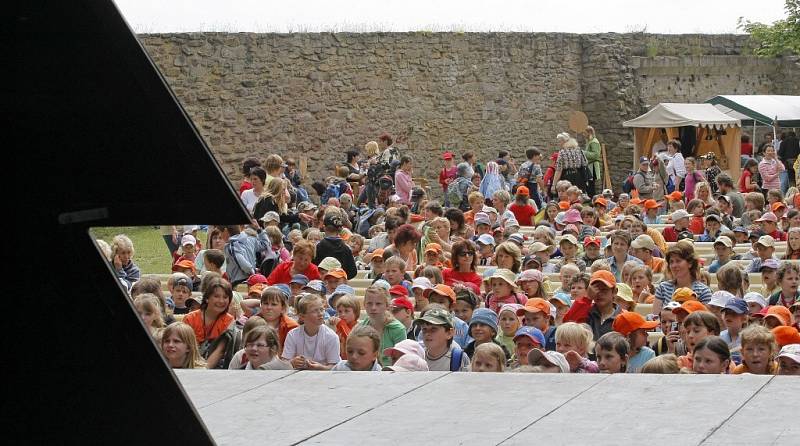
(257, 178)
(676, 168)
(311, 346)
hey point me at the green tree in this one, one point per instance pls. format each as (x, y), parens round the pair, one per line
(780, 38)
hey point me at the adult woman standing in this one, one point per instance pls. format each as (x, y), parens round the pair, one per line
(770, 169)
(465, 261)
(676, 168)
(683, 267)
(276, 199)
(212, 324)
(594, 156)
(571, 166)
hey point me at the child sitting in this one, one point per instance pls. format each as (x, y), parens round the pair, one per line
(697, 326)
(734, 315)
(612, 353)
(569, 250)
(521, 208)
(572, 340)
(635, 328)
(325, 351)
(565, 275)
(711, 356)
(696, 209)
(122, 259)
(276, 239)
(488, 357)
(402, 309)
(466, 303)
(485, 244)
(362, 351)
(713, 227)
(483, 329)
(561, 301)
(445, 297)
(180, 288)
(602, 289)
(348, 310)
(765, 250)
(149, 309)
(536, 313)
(769, 279)
(503, 289)
(525, 340)
(531, 282)
(591, 249)
(662, 365)
(214, 261)
(508, 323)
(441, 353)
(723, 247)
(262, 350)
(758, 351)
(789, 360)
(769, 226)
(547, 362)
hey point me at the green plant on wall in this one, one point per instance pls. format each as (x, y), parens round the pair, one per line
(780, 38)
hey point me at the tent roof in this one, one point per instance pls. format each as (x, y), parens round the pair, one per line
(666, 115)
(763, 109)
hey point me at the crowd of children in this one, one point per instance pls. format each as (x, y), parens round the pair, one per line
(507, 278)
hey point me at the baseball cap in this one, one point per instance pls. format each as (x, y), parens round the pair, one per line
(406, 347)
(569, 238)
(608, 192)
(755, 234)
(271, 216)
(679, 214)
(538, 247)
(644, 159)
(184, 264)
(183, 280)
(398, 290)
(486, 239)
(442, 290)
(304, 206)
(447, 156)
(563, 205)
(377, 254)
(785, 335)
(284, 289)
(408, 363)
(675, 196)
(402, 302)
(300, 278)
(530, 258)
(534, 305)
(628, 321)
(337, 273)
(651, 204)
(422, 283)
(777, 205)
(330, 263)
(188, 239)
(690, 306)
(637, 201)
(605, 277)
(538, 357)
(643, 241)
(671, 305)
(256, 288)
(433, 247)
(766, 241)
(482, 218)
(768, 216)
(562, 298)
(505, 274)
(713, 217)
(721, 298)
(516, 238)
(756, 298)
(741, 229)
(343, 289)
(488, 210)
(437, 316)
(725, 240)
(530, 274)
(781, 313)
(381, 283)
(738, 306)
(601, 201)
(315, 285)
(592, 240)
(684, 294)
(533, 333)
(333, 219)
(523, 191)
(570, 228)
(769, 263)
(791, 351)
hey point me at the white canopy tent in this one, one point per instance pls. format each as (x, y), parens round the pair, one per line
(716, 132)
(762, 110)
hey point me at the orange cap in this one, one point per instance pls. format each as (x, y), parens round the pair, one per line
(522, 190)
(637, 201)
(435, 247)
(684, 294)
(777, 205)
(651, 204)
(605, 277)
(690, 306)
(337, 273)
(442, 290)
(563, 205)
(601, 201)
(785, 335)
(628, 321)
(533, 305)
(781, 313)
(675, 196)
(256, 288)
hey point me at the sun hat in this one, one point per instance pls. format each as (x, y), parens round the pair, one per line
(553, 358)
(505, 274)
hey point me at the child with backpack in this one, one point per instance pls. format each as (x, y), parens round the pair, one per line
(441, 353)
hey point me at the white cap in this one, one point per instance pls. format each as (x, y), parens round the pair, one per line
(422, 282)
(755, 297)
(721, 298)
(537, 357)
(791, 351)
(679, 214)
(188, 240)
(486, 239)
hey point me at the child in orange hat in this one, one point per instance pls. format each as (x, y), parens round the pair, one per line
(536, 313)
(635, 328)
(786, 335)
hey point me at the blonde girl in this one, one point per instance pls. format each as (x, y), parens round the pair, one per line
(488, 357)
(792, 244)
(509, 323)
(663, 365)
(149, 309)
(392, 331)
(179, 347)
(641, 280)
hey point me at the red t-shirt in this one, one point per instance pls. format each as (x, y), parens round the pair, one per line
(747, 148)
(446, 176)
(524, 214)
(471, 279)
(696, 225)
(745, 174)
(579, 311)
(283, 273)
(245, 185)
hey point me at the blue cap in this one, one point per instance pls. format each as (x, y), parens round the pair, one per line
(300, 278)
(533, 333)
(340, 290)
(563, 297)
(738, 306)
(484, 316)
(741, 229)
(287, 293)
(316, 285)
(644, 159)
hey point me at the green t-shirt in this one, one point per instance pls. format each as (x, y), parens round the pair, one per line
(393, 333)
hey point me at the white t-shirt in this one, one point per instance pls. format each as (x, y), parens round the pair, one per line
(443, 364)
(249, 198)
(322, 347)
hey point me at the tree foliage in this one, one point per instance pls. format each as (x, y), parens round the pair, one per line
(780, 38)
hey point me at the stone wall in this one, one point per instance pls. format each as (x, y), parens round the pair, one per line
(317, 95)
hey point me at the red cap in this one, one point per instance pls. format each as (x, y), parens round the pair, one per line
(651, 204)
(447, 156)
(601, 201)
(592, 241)
(398, 290)
(563, 205)
(777, 205)
(605, 277)
(184, 264)
(628, 321)
(256, 278)
(402, 302)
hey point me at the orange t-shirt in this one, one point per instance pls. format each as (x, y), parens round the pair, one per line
(195, 320)
(742, 368)
(343, 329)
(657, 264)
(285, 325)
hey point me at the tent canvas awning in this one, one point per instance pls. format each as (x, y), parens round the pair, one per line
(760, 109)
(668, 115)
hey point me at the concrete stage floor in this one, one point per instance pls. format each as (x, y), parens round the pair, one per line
(287, 408)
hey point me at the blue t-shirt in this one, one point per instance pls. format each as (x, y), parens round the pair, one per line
(636, 361)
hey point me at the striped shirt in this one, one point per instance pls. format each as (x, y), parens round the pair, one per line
(666, 289)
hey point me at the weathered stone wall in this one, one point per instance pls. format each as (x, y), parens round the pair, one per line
(317, 95)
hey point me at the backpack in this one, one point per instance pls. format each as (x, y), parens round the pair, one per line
(627, 185)
(456, 197)
(455, 359)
